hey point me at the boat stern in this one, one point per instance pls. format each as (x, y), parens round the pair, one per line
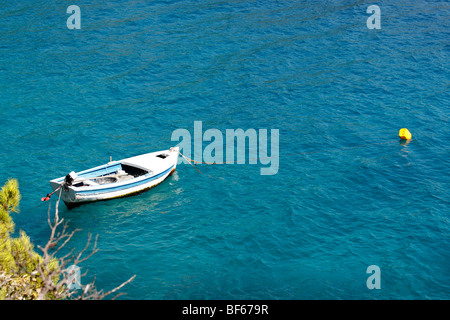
(67, 194)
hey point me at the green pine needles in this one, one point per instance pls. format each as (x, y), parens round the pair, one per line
(18, 260)
(27, 275)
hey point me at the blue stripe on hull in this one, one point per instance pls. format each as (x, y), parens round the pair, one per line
(92, 173)
(101, 171)
(123, 187)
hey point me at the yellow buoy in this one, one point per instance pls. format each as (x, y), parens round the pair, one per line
(404, 134)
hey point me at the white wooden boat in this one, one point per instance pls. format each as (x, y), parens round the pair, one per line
(116, 179)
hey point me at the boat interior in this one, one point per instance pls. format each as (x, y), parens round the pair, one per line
(120, 173)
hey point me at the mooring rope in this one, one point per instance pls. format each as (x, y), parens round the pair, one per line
(190, 161)
(194, 163)
(47, 197)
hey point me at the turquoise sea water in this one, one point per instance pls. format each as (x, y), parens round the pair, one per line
(348, 193)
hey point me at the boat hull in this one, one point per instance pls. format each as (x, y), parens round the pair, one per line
(157, 170)
(74, 204)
